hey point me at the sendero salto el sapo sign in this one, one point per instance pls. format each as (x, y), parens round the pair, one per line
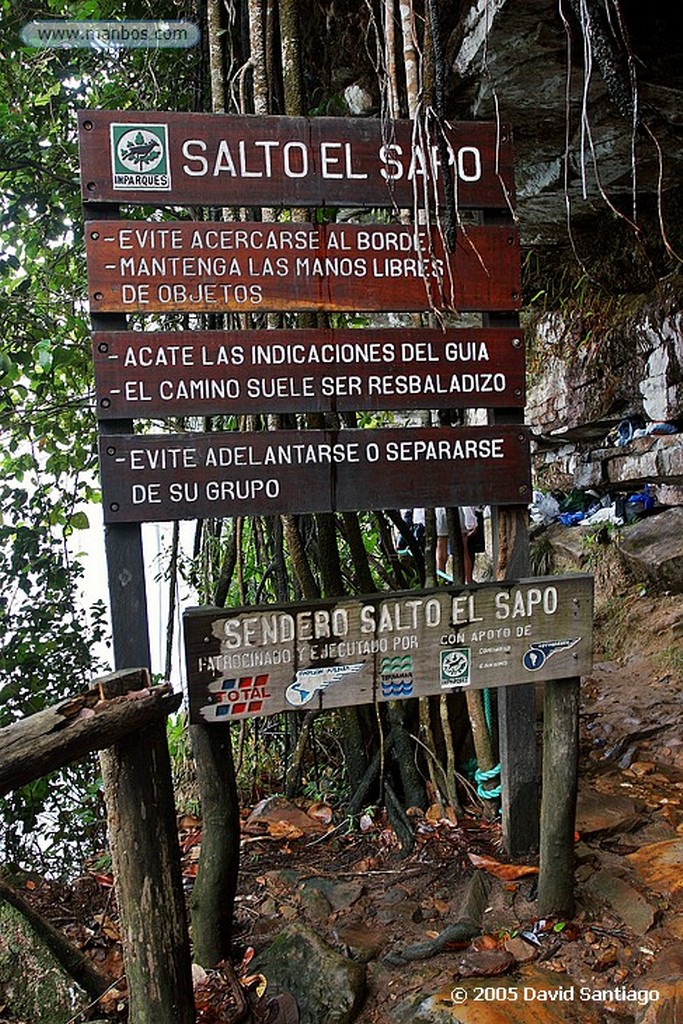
(201, 373)
(151, 478)
(151, 267)
(222, 160)
(247, 662)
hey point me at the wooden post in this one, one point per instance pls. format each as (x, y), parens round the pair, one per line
(143, 836)
(558, 805)
(139, 791)
(213, 895)
(516, 704)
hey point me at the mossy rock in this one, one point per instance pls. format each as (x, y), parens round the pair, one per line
(33, 984)
(327, 986)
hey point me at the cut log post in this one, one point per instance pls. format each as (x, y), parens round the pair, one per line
(144, 844)
(50, 739)
(558, 802)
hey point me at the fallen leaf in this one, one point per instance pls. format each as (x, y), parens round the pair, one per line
(109, 927)
(284, 830)
(506, 872)
(367, 864)
(246, 959)
(105, 880)
(435, 813)
(189, 821)
(320, 812)
(257, 982)
(485, 942)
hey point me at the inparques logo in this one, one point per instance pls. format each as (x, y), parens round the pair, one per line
(140, 159)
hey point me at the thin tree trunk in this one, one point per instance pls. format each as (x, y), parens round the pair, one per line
(291, 57)
(410, 57)
(215, 886)
(558, 802)
(216, 69)
(300, 564)
(482, 743)
(359, 556)
(258, 58)
(172, 599)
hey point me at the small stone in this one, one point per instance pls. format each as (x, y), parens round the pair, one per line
(520, 950)
(485, 963)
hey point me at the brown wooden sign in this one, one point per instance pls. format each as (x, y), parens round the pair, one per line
(149, 267)
(248, 662)
(150, 478)
(201, 373)
(221, 160)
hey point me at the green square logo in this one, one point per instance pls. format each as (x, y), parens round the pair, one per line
(139, 157)
(455, 667)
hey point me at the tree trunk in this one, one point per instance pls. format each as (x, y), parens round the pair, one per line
(214, 890)
(558, 803)
(144, 844)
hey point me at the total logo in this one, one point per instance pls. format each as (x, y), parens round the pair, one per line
(140, 159)
(244, 696)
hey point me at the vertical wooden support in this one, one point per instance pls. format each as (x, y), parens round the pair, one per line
(516, 704)
(144, 845)
(213, 895)
(558, 805)
(139, 791)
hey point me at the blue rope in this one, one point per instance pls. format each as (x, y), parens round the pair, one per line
(481, 777)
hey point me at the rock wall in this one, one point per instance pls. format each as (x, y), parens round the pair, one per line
(585, 382)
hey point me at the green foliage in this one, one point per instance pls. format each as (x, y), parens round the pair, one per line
(47, 424)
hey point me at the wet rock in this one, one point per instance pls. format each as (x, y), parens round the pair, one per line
(521, 950)
(484, 963)
(538, 996)
(363, 942)
(604, 813)
(653, 548)
(666, 977)
(634, 910)
(327, 986)
(33, 985)
(340, 895)
(316, 906)
(660, 865)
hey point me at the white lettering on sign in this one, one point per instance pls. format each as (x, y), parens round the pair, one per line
(469, 448)
(359, 352)
(437, 384)
(466, 162)
(523, 605)
(331, 160)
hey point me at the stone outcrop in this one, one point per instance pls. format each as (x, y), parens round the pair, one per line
(326, 985)
(33, 985)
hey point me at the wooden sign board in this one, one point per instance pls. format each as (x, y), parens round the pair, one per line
(153, 478)
(220, 160)
(202, 373)
(152, 267)
(249, 662)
